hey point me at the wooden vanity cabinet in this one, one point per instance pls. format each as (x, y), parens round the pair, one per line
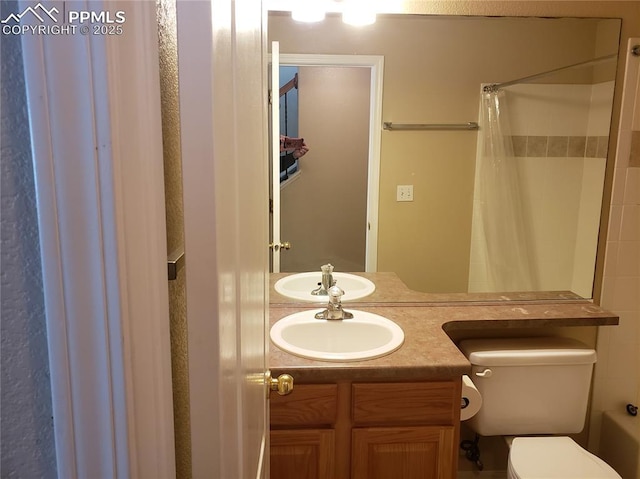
(407, 430)
(302, 433)
(387, 430)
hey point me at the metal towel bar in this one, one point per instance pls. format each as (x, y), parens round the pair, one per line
(472, 125)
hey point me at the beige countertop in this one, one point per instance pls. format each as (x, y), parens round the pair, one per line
(391, 289)
(429, 352)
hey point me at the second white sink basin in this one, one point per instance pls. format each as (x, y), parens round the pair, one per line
(300, 285)
(365, 336)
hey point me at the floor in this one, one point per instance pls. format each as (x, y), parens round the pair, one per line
(482, 475)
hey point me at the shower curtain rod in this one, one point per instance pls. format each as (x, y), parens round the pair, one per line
(497, 86)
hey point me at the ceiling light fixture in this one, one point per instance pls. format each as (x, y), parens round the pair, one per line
(358, 13)
(308, 11)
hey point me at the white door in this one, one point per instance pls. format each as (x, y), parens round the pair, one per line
(223, 109)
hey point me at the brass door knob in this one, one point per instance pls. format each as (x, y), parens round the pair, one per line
(278, 246)
(283, 384)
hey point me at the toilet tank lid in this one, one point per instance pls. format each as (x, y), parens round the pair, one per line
(527, 351)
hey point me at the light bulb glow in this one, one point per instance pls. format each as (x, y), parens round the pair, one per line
(308, 11)
(358, 13)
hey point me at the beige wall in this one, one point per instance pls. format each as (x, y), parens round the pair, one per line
(324, 209)
(433, 71)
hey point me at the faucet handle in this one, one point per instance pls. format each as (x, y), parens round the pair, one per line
(327, 268)
(335, 293)
(334, 309)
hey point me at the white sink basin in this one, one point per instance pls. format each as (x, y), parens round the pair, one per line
(365, 336)
(300, 285)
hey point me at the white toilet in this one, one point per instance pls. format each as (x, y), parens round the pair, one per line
(536, 386)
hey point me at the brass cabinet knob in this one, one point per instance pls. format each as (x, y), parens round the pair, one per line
(283, 384)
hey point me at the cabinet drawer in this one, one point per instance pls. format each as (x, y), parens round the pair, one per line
(420, 403)
(307, 405)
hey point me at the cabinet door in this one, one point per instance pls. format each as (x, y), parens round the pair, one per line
(407, 452)
(302, 454)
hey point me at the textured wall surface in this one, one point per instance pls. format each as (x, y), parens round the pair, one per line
(27, 426)
(168, 50)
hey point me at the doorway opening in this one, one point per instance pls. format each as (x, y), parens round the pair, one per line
(330, 212)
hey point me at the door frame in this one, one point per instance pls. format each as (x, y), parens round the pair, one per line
(274, 155)
(376, 65)
(94, 114)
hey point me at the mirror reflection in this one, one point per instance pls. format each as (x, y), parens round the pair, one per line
(323, 204)
(512, 206)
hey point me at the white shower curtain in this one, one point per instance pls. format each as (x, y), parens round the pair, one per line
(500, 215)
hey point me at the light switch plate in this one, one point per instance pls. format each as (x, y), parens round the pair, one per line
(404, 193)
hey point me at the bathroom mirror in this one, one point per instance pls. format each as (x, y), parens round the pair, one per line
(445, 238)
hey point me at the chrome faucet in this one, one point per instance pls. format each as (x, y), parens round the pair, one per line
(327, 281)
(334, 309)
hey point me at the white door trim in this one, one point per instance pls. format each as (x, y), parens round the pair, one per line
(376, 64)
(195, 42)
(94, 109)
(274, 71)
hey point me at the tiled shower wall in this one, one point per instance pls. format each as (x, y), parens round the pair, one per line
(560, 146)
(617, 376)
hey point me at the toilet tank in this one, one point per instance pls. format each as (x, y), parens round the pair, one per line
(530, 385)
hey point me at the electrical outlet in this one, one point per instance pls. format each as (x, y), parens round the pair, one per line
(404, 193)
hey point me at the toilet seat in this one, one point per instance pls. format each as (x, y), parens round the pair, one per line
(555, 457)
